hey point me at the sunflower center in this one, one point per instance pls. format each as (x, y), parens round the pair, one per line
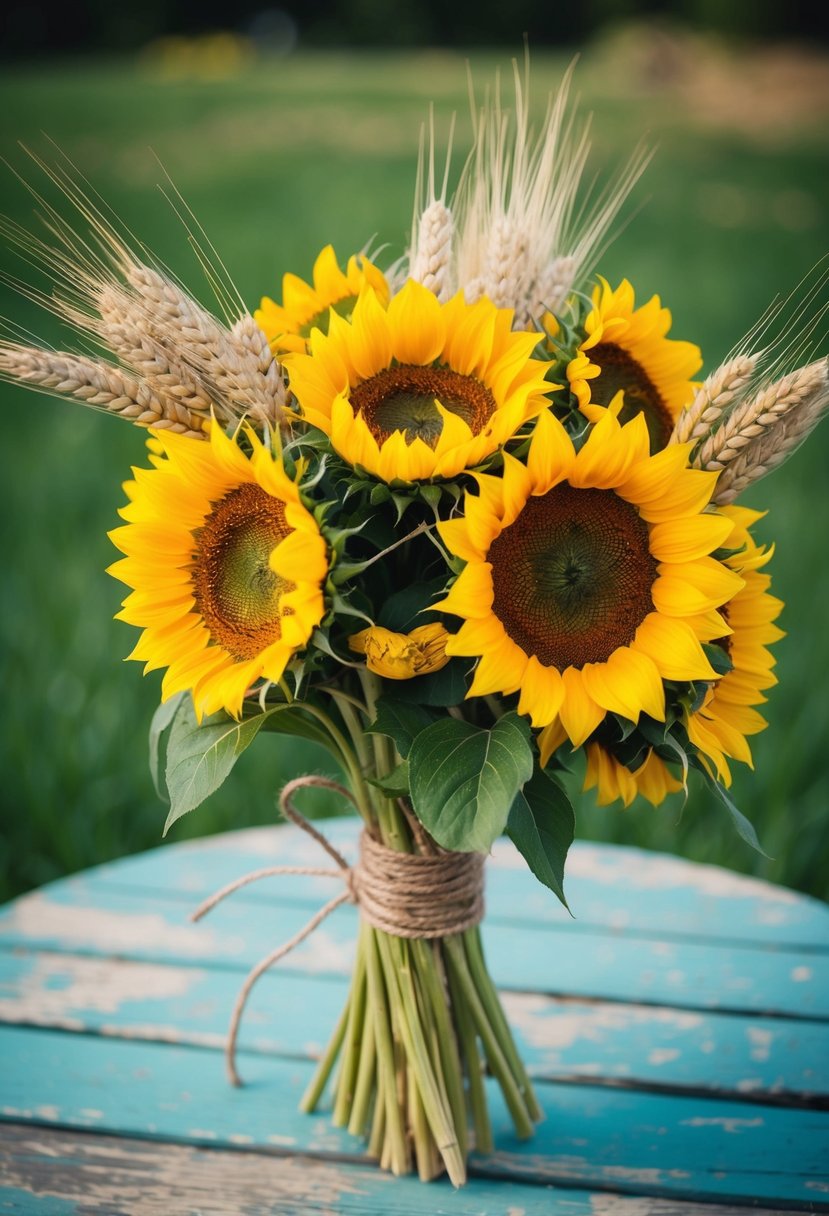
(621, 371)
(572, 576)
(235, 590)
(403, 399)
(322, 319)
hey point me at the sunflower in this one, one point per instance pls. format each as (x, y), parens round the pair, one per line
(611, 779)
(588, 577)
(288, 325)
(226, 567)
(720, 726)
(625, 349)
(422, 389)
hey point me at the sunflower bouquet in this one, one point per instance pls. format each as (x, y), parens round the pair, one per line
(455, 520)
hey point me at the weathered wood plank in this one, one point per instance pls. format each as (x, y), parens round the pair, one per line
(80, 914)
(92, 1174)
(592, 1138)
(672, 896)
(758, 1059)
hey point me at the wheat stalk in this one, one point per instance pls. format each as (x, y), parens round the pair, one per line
(203, 344)
(124, 330)
(100, 385)
(520, 208)
(431, 261)
(553, 286)
(714, 398)
(753, 418)
(251, 339)
(770, 449)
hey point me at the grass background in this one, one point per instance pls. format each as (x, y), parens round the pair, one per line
(276, 160)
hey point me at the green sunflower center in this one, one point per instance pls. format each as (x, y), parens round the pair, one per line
(572, 576)
(621, 371)
(235, 590)
(403, 399)
(322, 319)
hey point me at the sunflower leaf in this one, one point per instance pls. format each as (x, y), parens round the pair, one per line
(464, 780)
(440, 688)
(401, 721)
(162, 719)
(743, 826)
(201, 755)
(395, 783)
(542, 825)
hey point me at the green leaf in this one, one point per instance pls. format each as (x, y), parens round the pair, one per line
(464, 780)
(289, 720)
(542, 825)
(396, 783)
(445, 687)
(719, 659)
(162, 719)
(406, 609)
(200, 756)
(744, 827)
(401, 721)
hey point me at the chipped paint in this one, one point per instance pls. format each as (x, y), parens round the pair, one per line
(663, 1055)
(106, 1175)
(58, 985)
(732, 1126)
(37, 917)
(761, 1040)
(557, 1027)
(801, 975)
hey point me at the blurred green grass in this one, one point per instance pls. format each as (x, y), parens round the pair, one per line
(275, 163)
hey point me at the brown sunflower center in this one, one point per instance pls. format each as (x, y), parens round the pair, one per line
(235, 590)
(573, 575)
(403, 399)
(621, 371)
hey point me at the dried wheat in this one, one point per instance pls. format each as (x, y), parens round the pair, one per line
(774, 446)
(124, 330)
(96, 384)
(714, 398)
(758, 415)
(431, 258)
(202, 343)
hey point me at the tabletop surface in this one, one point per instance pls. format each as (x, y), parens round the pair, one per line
(677, 1030)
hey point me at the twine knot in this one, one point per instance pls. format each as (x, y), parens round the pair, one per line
(413, 895)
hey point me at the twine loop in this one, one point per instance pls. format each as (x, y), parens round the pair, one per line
(427, 895)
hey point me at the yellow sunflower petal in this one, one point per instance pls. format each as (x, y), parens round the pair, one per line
(440, 387)
(229, 597)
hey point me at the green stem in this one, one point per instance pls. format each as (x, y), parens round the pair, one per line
(353, 1037)
(474, 1069)
(346, 705)
(495, 1056)
(395, 1138)
(495, 1012)
(378, 1124)
(430, 973)
(358, 785)
(399, 979)
(366, 1073)
(319, 1080)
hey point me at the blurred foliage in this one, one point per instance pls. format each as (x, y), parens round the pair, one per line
(277, 159)
(49, 27)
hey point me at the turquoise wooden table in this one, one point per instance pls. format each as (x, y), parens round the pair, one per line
(678, 1030)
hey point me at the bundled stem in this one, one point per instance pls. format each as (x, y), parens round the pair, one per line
(422, 1026)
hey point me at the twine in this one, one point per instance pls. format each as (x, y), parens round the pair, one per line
(403, 894)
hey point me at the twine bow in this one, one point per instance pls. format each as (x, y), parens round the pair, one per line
(403, 894)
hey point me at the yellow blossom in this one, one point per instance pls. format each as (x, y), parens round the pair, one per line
(399, 656)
